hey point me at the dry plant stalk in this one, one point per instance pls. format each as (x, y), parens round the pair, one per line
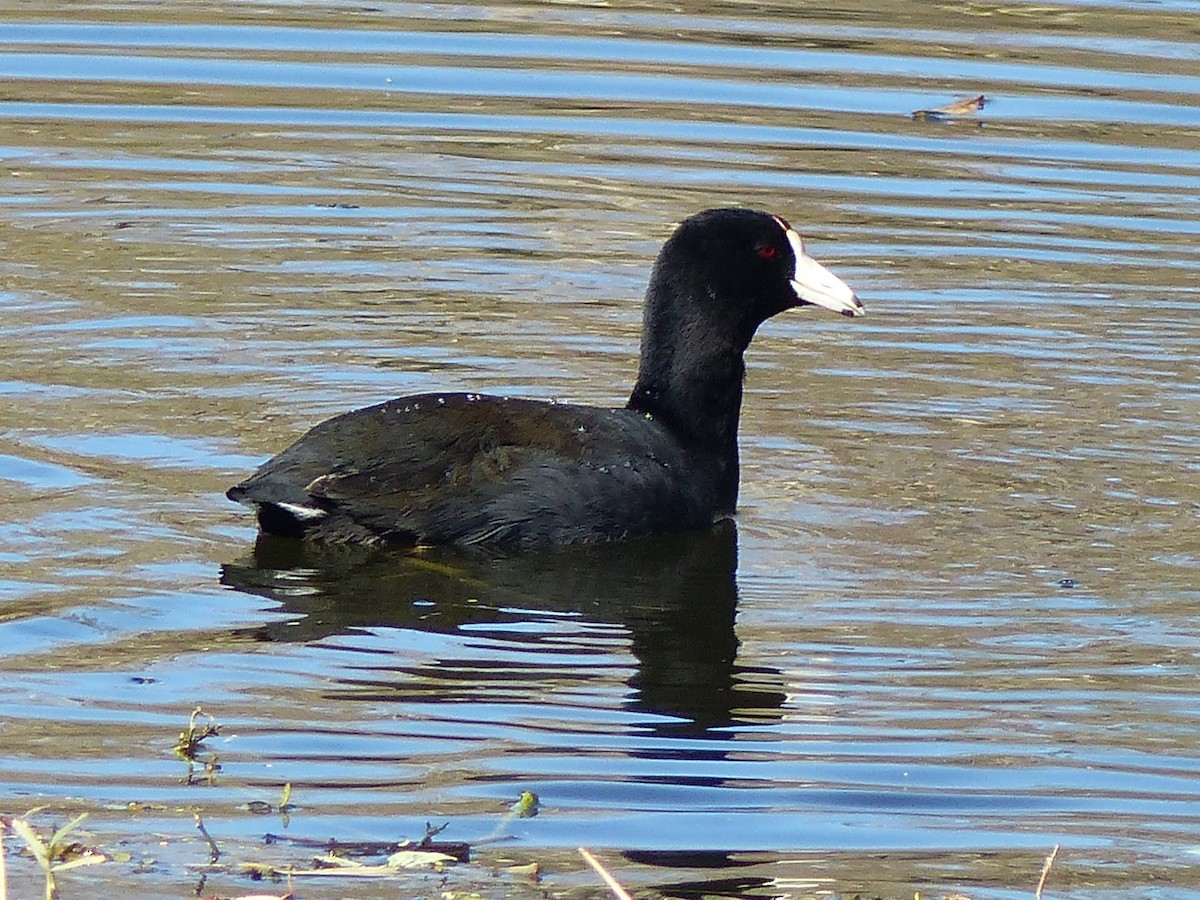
(3, 870)
(1045, 872)
(613, 884)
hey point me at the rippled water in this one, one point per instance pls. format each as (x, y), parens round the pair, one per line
(957, 623)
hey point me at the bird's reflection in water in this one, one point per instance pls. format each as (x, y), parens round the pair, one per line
(674, 596)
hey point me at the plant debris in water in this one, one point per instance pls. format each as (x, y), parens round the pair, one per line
(190, 746)
(964, 107)
(460, 851)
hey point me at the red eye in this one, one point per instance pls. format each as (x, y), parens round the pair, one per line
(766, 251)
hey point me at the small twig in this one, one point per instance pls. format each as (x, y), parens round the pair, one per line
(214, 852)
(613, 884)
(1045, 872)
(432, 831)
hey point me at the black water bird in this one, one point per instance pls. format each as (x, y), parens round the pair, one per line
(460, 468)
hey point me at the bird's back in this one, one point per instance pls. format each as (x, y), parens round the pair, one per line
(468, 468)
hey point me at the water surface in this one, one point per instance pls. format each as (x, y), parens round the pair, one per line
(956, 623)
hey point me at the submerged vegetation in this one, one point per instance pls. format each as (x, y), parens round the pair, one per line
(68, 847)
(58, 853)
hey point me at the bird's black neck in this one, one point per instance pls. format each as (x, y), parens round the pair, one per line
(690, 379)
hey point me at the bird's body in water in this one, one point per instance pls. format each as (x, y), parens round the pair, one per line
(456, 468)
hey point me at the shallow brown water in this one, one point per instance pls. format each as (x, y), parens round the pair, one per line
(964, 585)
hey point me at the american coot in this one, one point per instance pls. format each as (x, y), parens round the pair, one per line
(474, 469)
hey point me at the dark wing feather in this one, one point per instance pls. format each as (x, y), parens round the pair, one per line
(464, 468)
